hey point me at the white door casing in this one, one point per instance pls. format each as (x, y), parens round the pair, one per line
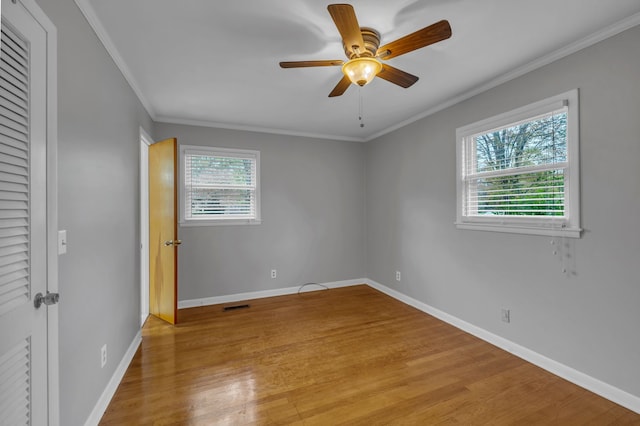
(145, 141)
(28, 336)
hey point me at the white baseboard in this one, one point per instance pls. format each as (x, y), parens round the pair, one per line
(592, 384)
(112, 386)
(206, 301)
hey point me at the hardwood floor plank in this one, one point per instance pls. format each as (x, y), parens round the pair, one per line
(343, 356)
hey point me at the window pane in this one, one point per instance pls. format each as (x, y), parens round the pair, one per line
(539, 141)
(528, 194)
(221, 171)
(519, 171)
(220, 185)
(233, 202)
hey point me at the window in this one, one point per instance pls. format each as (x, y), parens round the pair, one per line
(518, 172)
(219, 186)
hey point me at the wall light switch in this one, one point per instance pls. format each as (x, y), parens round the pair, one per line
(62, 242)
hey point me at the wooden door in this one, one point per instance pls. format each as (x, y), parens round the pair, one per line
(23, 218)
(163, 231)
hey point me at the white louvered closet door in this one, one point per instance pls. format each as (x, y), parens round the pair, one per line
(23, 328)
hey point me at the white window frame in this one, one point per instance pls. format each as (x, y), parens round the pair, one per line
(223, 152)
(567, 225)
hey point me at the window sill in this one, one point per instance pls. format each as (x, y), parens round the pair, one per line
(220, 222)
(521, 229)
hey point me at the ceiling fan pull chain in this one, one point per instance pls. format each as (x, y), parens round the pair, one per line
(360, 110)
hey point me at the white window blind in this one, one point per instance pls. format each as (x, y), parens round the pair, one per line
(518, 171)
(220, 185)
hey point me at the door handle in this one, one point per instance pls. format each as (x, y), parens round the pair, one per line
(49, 299)
(173, 242)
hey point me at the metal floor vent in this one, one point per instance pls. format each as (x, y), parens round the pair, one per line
(235, 307)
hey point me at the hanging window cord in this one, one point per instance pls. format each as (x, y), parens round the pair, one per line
(306, 284)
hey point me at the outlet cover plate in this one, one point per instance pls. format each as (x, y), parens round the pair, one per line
(506, 315)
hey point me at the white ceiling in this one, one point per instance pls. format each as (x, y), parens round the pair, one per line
(216, 63)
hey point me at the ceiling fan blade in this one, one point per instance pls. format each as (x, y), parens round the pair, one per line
(345, 19)
(341, 87)
(396, 76)
(421, 38)
(303, 64)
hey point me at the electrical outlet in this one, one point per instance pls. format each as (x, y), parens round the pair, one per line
(274, 273)
(103, 355)
(506, 315)
(398, 276)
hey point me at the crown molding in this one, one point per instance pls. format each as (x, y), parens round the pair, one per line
(600, 35)
(231, 126)
(95, 23)
(567, 50)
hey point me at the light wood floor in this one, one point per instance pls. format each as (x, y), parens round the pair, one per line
(343, 356)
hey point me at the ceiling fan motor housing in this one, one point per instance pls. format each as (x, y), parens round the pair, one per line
(371, 39)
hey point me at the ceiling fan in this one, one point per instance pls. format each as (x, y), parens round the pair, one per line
(365, 57)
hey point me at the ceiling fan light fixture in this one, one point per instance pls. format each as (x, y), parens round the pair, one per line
(361, 70)
(362, 47)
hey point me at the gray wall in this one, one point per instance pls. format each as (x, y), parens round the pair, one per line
(98, 192)
(312, 196)
(586, 319)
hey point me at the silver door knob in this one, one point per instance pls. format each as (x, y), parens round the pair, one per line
(49, 299)
(173, 242)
